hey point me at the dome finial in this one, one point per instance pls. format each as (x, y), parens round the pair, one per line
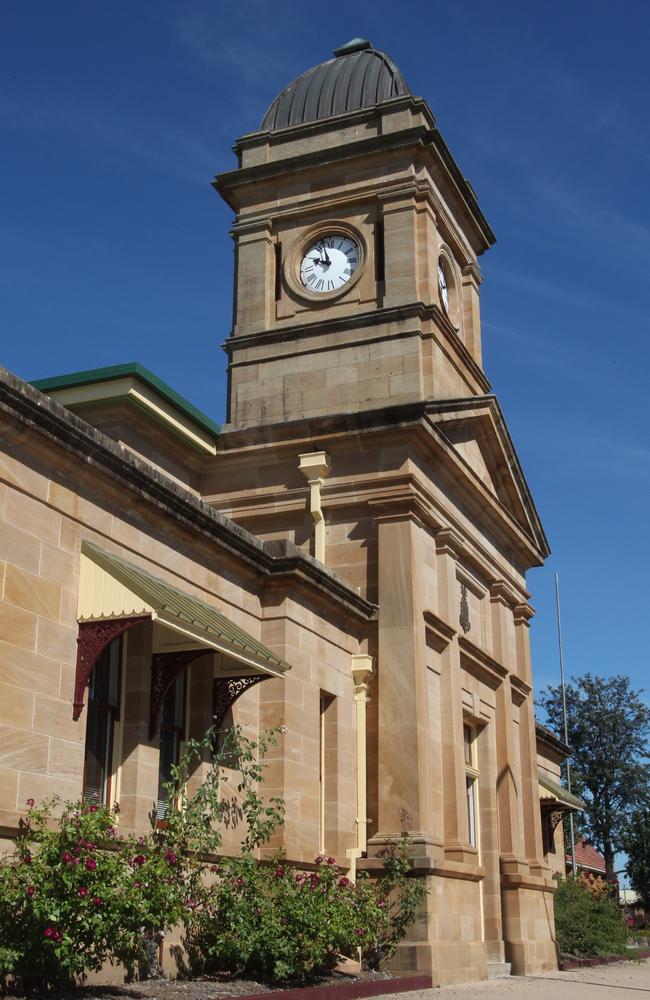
(354, 45)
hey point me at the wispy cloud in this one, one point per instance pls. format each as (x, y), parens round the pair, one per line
(607, 118)
(567, 293)
(595, 218)
(174, 150)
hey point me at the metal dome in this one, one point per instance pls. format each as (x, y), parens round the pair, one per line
(358, 77)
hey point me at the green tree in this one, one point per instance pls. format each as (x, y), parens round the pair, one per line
(608, 729)
(637, 848)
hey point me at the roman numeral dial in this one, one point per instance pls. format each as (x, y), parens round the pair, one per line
(329, 263)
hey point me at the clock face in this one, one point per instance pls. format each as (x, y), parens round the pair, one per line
(442, 284)
(329, 263)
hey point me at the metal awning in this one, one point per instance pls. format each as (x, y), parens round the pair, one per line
(555, 795)
(112, 588)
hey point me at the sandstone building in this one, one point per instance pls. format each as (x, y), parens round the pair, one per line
(347, 556)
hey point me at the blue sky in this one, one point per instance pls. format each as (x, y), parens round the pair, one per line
(113, 248)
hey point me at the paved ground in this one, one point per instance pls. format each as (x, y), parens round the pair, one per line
(623, 981)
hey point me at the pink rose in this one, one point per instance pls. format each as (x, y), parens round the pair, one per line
(30, 803)
(279, 872)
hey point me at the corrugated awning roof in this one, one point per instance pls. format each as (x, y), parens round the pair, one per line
(111, 587)
(562, 795)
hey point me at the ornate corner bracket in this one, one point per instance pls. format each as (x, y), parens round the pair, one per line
(165, 668)
(92, 640)
(226, 691)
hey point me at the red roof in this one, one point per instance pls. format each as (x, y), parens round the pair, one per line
(588, 857)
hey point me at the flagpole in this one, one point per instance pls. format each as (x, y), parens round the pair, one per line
(565, 718)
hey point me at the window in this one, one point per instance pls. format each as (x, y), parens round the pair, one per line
(327, 723)
(103, 713)
(172, 732)
(471, 784)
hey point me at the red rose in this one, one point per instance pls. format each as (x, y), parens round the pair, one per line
(279, 871)
(170, 857)
(97, 901)
(343, 882)
(30, 803)
(57, 936)
(49, 932)
(138, 860)
(90, 864)
(82, 891)
(27, 858)
(331, 861)
(31, 889)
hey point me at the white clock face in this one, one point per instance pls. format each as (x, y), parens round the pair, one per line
(329, 263)
(442, 284)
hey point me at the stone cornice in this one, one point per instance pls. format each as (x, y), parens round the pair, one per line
(388, 316)
(490, 669)
(441, 631)
(93, 449)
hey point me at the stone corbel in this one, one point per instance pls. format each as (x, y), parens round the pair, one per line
(315, 467)
(522, 614)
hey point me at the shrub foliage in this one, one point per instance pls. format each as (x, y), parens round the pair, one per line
(587, 920)
(76, 894)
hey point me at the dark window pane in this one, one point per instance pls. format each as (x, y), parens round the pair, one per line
(98, 746)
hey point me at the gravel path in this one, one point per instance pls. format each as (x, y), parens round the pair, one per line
(622, 981)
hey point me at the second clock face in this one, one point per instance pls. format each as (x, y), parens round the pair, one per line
(329, 263)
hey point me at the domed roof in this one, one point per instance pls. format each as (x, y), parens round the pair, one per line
(358, 77)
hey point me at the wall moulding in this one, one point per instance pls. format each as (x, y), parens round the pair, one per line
(480, 664)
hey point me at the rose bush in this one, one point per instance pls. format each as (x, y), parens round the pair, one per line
(76, 894)
(73, 898)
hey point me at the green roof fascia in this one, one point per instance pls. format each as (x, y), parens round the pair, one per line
(138, 371)
(563, 795)
(191, 610)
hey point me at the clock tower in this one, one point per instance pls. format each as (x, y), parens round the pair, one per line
(362, 432)
(356, 242)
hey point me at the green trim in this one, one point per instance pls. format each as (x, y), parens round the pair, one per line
(563, 795)
(185, 609)
(136, 370)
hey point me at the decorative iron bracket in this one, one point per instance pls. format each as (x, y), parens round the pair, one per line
(92, 640)
(227, 690)
(165, 668)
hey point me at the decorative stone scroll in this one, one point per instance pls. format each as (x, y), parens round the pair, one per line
(463, 618)
(165, 668)
(227, 690)
(92, 640)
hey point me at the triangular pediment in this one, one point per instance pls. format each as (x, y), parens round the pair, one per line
(477, 432)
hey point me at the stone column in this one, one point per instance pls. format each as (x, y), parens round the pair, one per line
(362, 673)
(471, 309)
(508, 790)
(400, 246)
(254, 276)
(139, 771)
(453, 767)
(402, 702)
